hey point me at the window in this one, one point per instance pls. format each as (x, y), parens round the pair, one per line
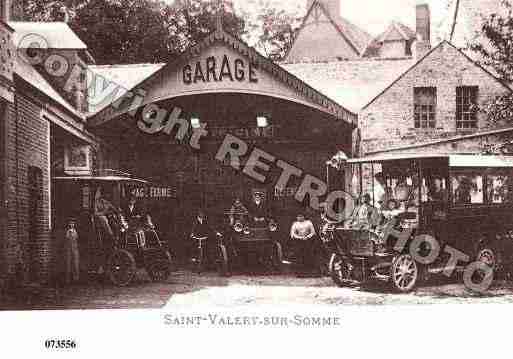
(466, 100)
(499, 187)
(468, 188)
(425, 107)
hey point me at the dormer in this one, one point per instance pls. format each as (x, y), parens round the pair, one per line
(396, 42)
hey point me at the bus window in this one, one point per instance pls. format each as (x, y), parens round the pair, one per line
(498, 186)
(468, 188)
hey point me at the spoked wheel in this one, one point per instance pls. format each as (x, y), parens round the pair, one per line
(489, 257)
(277, 257)
(121, 268)
(339, 270)
(161, 269)
(222, 261)
(405, 273)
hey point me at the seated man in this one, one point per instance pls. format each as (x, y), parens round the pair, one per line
(238, 211)
(362, 212)
(135, 211)
(102, 209)
(258, 209)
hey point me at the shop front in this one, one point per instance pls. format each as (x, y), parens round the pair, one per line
(222, 93)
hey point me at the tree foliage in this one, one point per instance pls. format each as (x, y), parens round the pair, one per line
(278, 30)
(496, 51)
(135, 31)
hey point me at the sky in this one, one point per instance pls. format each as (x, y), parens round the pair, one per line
(374, 16)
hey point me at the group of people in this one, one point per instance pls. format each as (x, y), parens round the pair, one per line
(108, 221)
(303, 234)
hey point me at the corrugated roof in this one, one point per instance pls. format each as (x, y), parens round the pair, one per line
(57, 35)
(125, 78)
(352, 84)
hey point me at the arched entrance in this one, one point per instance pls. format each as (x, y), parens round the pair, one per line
(224, 85)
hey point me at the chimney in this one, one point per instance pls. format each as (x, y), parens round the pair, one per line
(423, 43)
(5, 10)
(332, 6)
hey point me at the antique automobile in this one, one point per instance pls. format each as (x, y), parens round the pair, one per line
(135, 244)
(458, 202)
(248, 242)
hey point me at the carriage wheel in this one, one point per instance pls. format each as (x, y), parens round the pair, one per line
(405, 273)
(222, 261)
(121, 268)
(277, 257)
(161, 270)
(338, 270)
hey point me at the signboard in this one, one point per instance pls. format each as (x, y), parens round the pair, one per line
(219, 69)
(157, 193)
(77, 160)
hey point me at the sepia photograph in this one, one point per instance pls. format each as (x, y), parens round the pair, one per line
(199, 159)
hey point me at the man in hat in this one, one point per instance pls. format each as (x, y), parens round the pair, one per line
(258, 209)
(136, 211)
(238, 211)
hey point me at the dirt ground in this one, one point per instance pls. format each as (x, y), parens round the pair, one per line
(186, 289)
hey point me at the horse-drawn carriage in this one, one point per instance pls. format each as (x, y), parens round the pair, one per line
(123, 245)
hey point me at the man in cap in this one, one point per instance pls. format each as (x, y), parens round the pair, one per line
(258, 209)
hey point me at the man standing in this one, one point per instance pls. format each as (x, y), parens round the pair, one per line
(202, 235)
(302, 233)
(72, 253)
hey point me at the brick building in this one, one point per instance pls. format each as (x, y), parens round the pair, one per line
(408, 93)
(40, 120)
(59, 108)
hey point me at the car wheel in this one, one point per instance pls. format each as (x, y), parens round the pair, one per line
(121, 268)
(222, 261)
(404, 273)
(490, 257)
(161, 269)
(339, 271)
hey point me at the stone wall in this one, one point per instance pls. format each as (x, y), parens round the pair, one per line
(388, 121)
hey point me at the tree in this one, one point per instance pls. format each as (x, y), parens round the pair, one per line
(192, 20)
(135, 31)
(496, 51)
(279, 28)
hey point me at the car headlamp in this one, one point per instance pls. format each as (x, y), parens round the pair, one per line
(246, 230)
(238, 227)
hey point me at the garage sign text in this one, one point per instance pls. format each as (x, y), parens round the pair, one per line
(213, 70)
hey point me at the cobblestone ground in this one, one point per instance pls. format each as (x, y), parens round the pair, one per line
(185, 289)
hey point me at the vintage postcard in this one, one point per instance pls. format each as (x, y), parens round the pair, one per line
(225, 163)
